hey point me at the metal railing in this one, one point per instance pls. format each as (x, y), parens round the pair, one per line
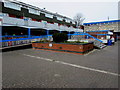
(29, 23)
(25, 39)
(18, 40)
(83, 34)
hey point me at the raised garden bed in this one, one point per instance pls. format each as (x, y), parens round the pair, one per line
(79, 48)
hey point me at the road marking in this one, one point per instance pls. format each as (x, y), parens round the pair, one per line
(74, 65)
(90, 52)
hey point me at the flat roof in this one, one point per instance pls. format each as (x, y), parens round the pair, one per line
(101, 22)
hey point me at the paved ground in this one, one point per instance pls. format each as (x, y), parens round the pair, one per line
(28, 68)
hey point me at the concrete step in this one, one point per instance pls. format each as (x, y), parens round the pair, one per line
(100, 46)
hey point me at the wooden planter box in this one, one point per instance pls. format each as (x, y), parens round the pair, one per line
(65, 47)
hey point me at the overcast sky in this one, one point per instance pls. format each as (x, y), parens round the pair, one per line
(94, 10)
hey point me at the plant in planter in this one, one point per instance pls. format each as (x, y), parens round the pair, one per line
(66, 46)
(60, 37)
(44, 40)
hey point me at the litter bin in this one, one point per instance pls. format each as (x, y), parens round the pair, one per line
(109, 42)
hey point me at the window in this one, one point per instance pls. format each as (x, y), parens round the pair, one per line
(67, 20)
(73, 22)
(34, 11)
(60, 18)
(12, 5)
(48, 15)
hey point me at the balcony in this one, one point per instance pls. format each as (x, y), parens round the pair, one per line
(11, 21)
(36, 24)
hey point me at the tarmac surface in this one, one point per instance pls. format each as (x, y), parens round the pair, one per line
(29, 68)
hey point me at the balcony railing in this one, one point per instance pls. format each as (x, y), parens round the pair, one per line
(13, 21)
(43, 24)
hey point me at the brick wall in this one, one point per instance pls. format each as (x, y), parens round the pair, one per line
(83, 48)
(106, 26)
